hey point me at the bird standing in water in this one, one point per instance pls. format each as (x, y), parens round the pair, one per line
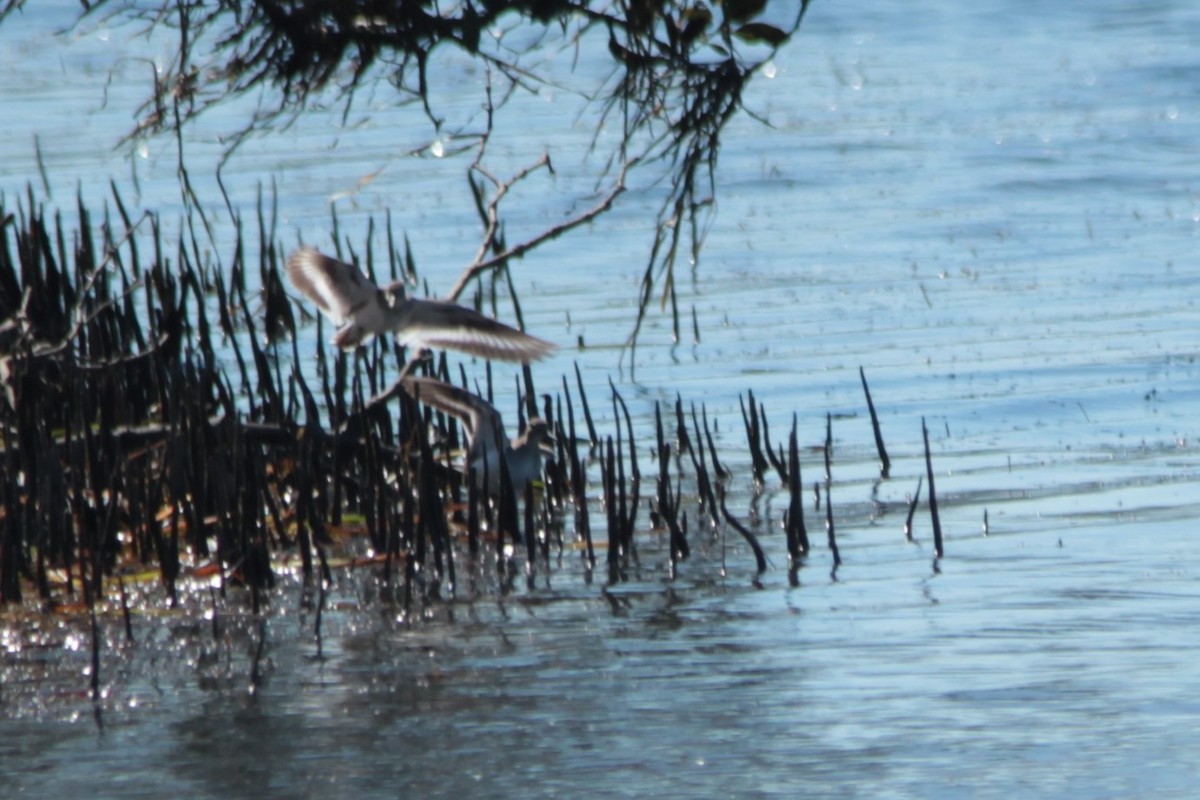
(364, 310)
(485, 432)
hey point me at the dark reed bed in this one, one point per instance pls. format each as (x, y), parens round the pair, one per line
(154, 421)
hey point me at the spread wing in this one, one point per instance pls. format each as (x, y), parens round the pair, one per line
(439, 325)
(337, 288)
(475, 413)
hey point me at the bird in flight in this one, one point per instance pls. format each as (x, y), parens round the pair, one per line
(485, 432)
(363, 310)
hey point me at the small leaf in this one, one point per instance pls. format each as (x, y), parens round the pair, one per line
(742, 10)
(761, 32)
(697, 21)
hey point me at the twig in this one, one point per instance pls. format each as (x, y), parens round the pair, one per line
(492, 213)
(518, 250)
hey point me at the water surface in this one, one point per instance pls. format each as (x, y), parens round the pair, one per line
(993, 213)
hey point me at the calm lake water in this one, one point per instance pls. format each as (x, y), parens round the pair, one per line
(993, 213)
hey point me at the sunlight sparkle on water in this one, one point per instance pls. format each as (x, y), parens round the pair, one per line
(1063, 633)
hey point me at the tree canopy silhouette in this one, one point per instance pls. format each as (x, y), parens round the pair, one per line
(679, 71)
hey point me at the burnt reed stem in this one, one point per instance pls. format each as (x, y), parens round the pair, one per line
(578, 485)
(320, 612)
(704, 483)
(473, 500)
(912, 507)
(758, 462)
(777, 460)
(587, 412)
(531, 537)
(760, 557)
(797, 533)
(668, 503)
(829, 526)
(125, 615)
(624, 513)
(719, 472)
(935, 521)
(95, 652)
(885, 463)
(608, 476)
(256, 675)
(629, 512)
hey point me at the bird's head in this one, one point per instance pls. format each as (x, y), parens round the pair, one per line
(393, 294)
(539, 434)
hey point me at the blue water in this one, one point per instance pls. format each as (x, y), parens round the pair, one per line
(992, 211)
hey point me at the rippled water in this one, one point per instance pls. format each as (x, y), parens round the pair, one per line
(992, 212)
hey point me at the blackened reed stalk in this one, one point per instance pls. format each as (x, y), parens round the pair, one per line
(578, 482)
(833, 548)
(758, 462)
(885, 463)
(797, 533)
(629, 512)
(624, 515)
(938, 551)
(587, 412)
(531, 536)
(704, 484)
(608, 478)
(777, 460)
(912, 507)
(760, 557)
(668, 501)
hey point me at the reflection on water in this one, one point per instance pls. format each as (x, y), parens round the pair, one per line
(993, 213)
(1033, 664)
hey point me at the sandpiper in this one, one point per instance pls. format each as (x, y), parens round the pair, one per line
(485, 432)
(364, 310)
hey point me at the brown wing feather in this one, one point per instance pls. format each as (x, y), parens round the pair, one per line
(337, 288)
(442, 325)
(474, 412)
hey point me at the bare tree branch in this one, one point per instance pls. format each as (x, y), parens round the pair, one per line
(484, 264)
(680, 68)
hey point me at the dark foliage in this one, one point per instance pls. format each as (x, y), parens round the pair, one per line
(680, 69)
